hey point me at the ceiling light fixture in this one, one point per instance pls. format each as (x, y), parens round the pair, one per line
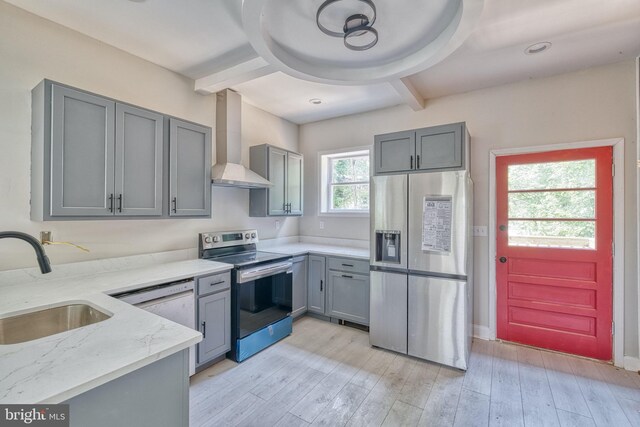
(315, 101)
(356, 25)
(537, 48)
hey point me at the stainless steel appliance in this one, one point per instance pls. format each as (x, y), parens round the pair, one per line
(261, 284)
(174, 301)
(421, 265)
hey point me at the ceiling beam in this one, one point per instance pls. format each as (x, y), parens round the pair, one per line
(234, 75)
(408, 93)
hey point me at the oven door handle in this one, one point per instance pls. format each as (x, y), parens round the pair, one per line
(258, 273)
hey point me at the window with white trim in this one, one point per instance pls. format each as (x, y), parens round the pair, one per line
(345, 182)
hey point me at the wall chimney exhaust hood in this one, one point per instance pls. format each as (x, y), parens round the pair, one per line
(228, 172)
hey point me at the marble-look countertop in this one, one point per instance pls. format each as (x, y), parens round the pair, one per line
(58, 367)
(319, 249)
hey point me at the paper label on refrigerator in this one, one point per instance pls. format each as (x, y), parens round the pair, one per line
(436, 223)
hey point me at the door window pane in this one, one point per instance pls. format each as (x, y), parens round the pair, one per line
(553, 204)
(545, 176)
(559, 234)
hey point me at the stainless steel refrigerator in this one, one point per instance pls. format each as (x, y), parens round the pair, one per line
(422, 264)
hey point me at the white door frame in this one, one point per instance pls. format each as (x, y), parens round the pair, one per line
(618, 231)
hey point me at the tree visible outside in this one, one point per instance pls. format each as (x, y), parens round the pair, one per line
(565, 201)
(349, 183)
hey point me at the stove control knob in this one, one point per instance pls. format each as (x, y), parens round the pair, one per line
(253, 235)
(207, 239)
(247, 236)
(216, 239)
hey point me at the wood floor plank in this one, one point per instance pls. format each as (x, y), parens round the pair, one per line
(506, 399)
(569, 419)
(402, 415)
(440, 409)
(631, 409)
(227, 416)
(620, 383)
(537, 400)
(567, 395)
(345, 404)
(416, 390)
(373, 369)
(290, 420)
(472, 410)
(605, 409)
(478, 377)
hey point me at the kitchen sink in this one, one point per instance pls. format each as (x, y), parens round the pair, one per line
(51, 321)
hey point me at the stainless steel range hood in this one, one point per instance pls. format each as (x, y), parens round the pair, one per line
(228, 171)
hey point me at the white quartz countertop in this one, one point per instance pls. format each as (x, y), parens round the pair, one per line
(58, 367)
(313, 248)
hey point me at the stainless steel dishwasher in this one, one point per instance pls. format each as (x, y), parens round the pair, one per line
(174, 301)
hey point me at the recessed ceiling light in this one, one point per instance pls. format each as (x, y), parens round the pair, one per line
(315, 101)
(537, 48)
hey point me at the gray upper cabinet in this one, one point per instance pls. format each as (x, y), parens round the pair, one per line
(317, 284)
(139, 159)
(189, 169)
(82, 154)
(430, 149)
(94, 157)
(285, 170)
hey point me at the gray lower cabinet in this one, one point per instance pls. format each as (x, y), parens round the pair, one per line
(189, 169)
(156, 395)
(348, 296)
(285, 171)
(299, 298)
(94, 157)
(317, 284)
(431, 149)
(214, 316)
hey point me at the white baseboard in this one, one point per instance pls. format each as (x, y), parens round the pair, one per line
(632, 363)
(482, 332)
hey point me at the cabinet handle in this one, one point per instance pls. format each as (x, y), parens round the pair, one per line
(320, 285)
(418, 162)
(111, 202)
(120, 203)
(411, 161)
(347, 265)
(175, 204)
(204, 330)
(347, 276)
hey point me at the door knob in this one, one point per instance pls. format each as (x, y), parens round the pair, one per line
(502, 259)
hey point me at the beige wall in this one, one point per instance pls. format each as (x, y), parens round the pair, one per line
(598, 103)
(32, 49)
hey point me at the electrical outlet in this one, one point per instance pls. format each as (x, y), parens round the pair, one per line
(277, 225)
(321, 225)
(45, 236)
(480, 230)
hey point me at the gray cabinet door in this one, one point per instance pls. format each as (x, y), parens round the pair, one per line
(394, 152)
(138, 167)
(317, 284)
(82, 154)
(440, 147)
(294, 183)
(348, 296)
(214, 322)
(299, 286)
(189, 169)
(278, 176)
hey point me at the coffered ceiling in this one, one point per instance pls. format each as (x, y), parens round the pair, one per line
(272, 52)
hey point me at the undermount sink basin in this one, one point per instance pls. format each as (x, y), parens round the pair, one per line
(42, 323)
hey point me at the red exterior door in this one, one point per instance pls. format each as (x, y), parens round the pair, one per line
(554, 250)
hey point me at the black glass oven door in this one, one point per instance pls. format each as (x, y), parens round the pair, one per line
(262, 302)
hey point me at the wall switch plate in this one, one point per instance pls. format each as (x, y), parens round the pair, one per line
(321, 225)
(480, 230)
(277, 225)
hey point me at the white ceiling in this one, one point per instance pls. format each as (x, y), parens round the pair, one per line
(200, 38)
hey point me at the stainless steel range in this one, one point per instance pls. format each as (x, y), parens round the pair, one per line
(260, 290)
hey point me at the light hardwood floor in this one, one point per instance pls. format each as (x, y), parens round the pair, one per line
(326, 374)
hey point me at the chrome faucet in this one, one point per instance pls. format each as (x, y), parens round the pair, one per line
(43, 261)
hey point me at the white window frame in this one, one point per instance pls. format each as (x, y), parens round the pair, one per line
(324, 187)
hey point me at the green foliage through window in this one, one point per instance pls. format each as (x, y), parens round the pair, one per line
(348, 182)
